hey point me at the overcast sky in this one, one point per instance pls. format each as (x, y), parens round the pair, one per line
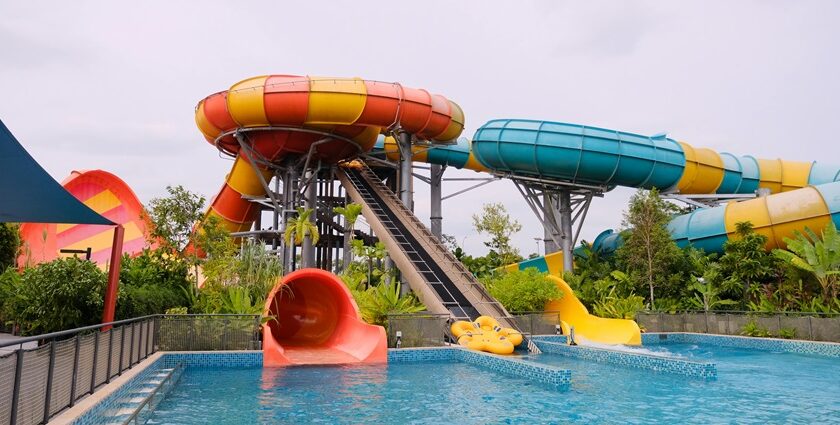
(113, 85)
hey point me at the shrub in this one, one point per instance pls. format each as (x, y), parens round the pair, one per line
(619, 308)
(754, 329)
(787, 333)
(9, 245)
(151, 283)
(62, 294)
(522, 290)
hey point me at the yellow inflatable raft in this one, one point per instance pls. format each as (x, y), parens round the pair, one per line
(485, 334)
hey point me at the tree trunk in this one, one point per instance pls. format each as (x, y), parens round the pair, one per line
(348, 253)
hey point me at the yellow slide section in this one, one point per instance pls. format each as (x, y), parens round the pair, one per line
(592, 328)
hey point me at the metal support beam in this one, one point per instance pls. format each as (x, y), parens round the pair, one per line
(566, 229)
(406, 189)
(436, 217)
(307, 254)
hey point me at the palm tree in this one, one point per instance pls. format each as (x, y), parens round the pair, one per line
(298, 228)
(815, 255)
(351, 213)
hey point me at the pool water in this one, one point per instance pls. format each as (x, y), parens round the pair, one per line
(752, 387)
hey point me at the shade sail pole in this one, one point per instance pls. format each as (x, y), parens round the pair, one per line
(113, 277)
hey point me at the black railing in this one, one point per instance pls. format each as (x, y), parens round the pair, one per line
(39, 382)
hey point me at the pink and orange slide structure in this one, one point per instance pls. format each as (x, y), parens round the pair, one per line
(104, 193)
(314, 320)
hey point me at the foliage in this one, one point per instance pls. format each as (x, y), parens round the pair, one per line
(383, 300)
(619, 308)
(745, 262)
(237, 300)
(495, 221)
(173, 218)
(351, 213)
(522, 290)
(648, 250)
(62, 294)
(301, 226)
(151, 283)
(176, 310)
(480, 266)
(371, 254)
(817, 255)
(9, 245)
(754, 329)
(707, 294)
(787, 333)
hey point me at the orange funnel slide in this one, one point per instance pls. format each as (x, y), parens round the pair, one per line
(316, 321)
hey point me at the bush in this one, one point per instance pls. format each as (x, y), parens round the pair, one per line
(63, 294)
(152, 283)
(9, 245)
(522, 290)
(754, 329)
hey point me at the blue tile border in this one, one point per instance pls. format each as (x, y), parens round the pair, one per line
(215, 359)
(828, 349)
(635, 360)
(550, 376)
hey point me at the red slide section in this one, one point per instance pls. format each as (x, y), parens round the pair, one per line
(316, 322)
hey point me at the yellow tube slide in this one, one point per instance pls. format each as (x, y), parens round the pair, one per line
(591, 328)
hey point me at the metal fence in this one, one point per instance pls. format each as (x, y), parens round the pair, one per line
(811, 326)
(38, 383)
(417, 330)
(538, 322)
(202, 332)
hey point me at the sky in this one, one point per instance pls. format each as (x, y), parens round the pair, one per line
(113, 85)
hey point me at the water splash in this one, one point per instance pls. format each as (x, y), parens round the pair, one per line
(650, 351)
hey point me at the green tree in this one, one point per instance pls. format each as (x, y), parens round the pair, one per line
(173, 218)
(495, 221)
(300, 226)
(745, 261)
(522, 290)
(648, 251)
(351, 213)
(817, 255)
(63, 294)
(9, 245)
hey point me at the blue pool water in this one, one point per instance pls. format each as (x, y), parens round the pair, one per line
(752, 387)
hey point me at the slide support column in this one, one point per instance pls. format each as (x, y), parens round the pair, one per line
(436, 216)
(566, 229)
(307, 255)
(406, 195)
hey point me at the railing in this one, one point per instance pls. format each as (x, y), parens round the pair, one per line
(155, 397)
(38, 383)
(417, 330)
(791, 324)
(206, 332)
(537, 322)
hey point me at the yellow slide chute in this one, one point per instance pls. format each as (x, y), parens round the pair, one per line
(592, 328)
(485, 334)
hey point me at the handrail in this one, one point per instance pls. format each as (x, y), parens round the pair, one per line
(744, 312)
(53, 335)
(146, 400)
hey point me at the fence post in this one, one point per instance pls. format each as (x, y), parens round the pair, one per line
(131, 348)
(810, 329)
(140, 344)
(706, 319)
(16, 390)
(122, 349)
(225, 334)
(95, 358)
(75, 373)
(110, 355)
(50, 370)
(155, 334)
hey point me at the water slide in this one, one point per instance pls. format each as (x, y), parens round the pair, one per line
(802, 193)
(316, 321)
(270, 118)
(104, 193)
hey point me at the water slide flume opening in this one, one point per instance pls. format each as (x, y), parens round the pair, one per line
(485, 334)
(314, 320)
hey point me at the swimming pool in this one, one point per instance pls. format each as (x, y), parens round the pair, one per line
(752, 387)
